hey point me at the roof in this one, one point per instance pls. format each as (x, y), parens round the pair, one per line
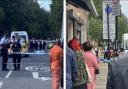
(85, 4)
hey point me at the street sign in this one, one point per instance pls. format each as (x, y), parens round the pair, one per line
(115, 1)
(109, 9)
(111, 21)
(116, 7)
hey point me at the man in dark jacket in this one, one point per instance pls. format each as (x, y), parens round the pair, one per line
(71, 68)
(4, 45)
(118, 73)
(16, 47)
(4, 54)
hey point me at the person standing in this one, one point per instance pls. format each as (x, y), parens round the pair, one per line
(97, 51)
(117, 77)
(56, 54)
(36, 45)
(44, 45)
(71, 68)
(40, 45)
(31, 47)
(92, 63)
(121, 52)
(82, 79)
(4, 53)
(16, 48)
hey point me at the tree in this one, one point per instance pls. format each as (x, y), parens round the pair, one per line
(55, 18)
(23, 15)
(26, 15)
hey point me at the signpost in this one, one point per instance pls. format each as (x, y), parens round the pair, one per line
(111, 21)
(116, 11)
(116, 7)
(108, 24)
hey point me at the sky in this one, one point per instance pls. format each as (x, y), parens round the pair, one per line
(124, 7)
(45, 4)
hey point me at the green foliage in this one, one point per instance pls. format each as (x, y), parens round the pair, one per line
(2, 14)
(55, 18)
(122, 26)
(24, 15)
(95, 24)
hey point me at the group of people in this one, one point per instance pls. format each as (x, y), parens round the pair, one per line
(81, 65)
(37, 45)
(15, 46)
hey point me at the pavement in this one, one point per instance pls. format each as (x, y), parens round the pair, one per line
(101, 79)
(34, 74)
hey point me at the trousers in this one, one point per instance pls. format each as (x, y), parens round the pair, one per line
(56, 76)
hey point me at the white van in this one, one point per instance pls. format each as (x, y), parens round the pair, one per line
(24, 40)
(125, 42)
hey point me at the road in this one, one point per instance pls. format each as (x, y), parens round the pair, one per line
(34, 74)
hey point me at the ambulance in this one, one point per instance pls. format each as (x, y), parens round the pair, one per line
(24, 40)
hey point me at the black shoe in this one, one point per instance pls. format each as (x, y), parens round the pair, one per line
(5, 69)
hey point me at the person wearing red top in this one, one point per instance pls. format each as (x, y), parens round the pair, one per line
(75, 44)
(56, 54)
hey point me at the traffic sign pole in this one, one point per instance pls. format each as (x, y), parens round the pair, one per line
(108, 32)
(116, 36)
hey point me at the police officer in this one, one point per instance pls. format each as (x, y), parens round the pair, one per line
(4, 53)
(16, 47)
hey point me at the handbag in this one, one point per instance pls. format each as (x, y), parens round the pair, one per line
(87, 70)
(97, 71)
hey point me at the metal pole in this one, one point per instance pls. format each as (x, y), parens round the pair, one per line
(108, 32)
(116, 36)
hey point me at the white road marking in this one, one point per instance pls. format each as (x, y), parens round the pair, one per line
(36, 76)
(8, 75)
(30, 53)
(38, 68)
(1, 83)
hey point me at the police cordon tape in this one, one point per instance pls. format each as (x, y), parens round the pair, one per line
(29, 53)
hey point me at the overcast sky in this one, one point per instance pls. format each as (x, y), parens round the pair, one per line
(124, 7)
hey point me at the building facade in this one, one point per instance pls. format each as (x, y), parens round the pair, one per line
(78, 18)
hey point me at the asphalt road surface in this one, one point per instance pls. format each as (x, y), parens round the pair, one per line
(34, 74)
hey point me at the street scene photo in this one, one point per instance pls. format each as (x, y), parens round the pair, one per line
(31, 44)
(96, 44)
